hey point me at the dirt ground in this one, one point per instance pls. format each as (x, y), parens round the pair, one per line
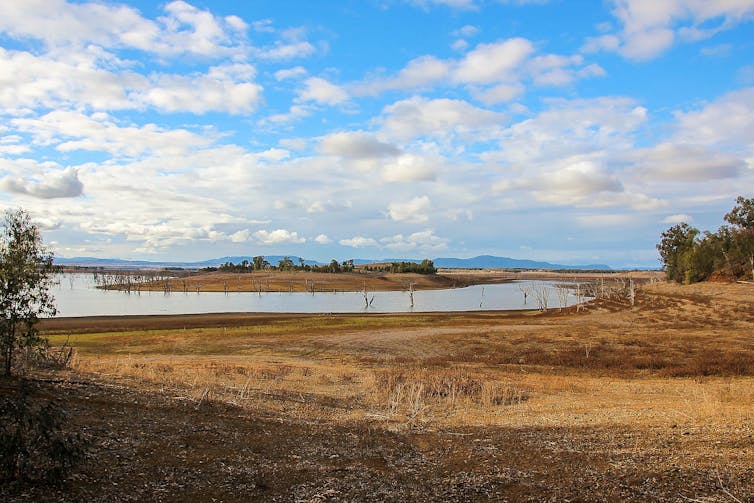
(616, 402)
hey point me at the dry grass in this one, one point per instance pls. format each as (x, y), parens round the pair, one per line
(679, 356)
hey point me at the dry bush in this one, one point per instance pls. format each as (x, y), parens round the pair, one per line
(414, 389)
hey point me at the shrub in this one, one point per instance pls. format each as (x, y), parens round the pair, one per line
(34, 446)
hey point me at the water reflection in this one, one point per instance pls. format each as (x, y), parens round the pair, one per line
(77, 295)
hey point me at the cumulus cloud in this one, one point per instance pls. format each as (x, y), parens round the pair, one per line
(500, 65)
(327, 206)
(228, 88)
(183, 29)
(53, 185)
(242, 236)
(419, 72)
(322, 239)
(424, 241)
(358, 242)
(356, 145)
(725, 122)
(677, 219)
(410, 168)
(649, 28)
(45, 81)
(685, 163)
(571, 127)
(322, 91)
(410, 211)
(290, 73)
(70, 131)
(493, 62)
(573, 184)
(278, 236)
(417, 116)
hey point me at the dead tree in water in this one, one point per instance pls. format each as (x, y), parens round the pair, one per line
(525, 290)
(562, 291)
(542, 296)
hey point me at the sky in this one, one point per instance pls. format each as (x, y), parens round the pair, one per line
(567, 131)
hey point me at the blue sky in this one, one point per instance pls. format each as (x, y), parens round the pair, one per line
(573, 132)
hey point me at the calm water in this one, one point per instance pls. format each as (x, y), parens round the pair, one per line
(76, 295)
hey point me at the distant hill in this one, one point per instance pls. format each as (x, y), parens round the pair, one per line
(481, 262)
(146, 264)
(492, 262)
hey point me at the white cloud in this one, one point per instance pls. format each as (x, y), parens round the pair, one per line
(465, 31)
(677, 219)
(571, 127)
(418, 116)
(501, 65)
(726, 122)
(410, 211)
(242, 236)
(44, 81)
(423, 241)
(493, 62)
(499, 94)
(323, 239)
(358, 242)
(217, 91)
(650, 28)
(420, 72)
(54, 184)
(327, 206)
(278, 236)
(558, 70)
(183, 29)
(322, 91)
(575, 183)
(356, 145)
(685, 163)
(290, 73)
(70, 131)
(410, 168)
(285, 51)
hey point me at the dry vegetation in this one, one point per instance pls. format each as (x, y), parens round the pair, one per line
(642, 402)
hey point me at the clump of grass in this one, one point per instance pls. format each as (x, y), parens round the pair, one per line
(413, 390)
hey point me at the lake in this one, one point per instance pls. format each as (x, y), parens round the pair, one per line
(77, 295)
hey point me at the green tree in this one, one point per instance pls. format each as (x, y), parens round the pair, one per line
(25, 280)
(286, 264)
(677, 247)
(259, 263)
(741, 217)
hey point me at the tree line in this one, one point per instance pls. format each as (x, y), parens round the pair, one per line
(689, 255)
(285, 264)
(426, 266)
(259, 263)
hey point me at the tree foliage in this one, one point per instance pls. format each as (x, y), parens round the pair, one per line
(25, 279)
(426, 266)
(689, 256)
(285, 264)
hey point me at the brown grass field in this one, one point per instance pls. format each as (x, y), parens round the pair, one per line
(616, 402)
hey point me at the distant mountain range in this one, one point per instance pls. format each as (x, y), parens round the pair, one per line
(480, 262)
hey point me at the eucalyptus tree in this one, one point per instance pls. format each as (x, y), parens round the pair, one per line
(25, 279)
